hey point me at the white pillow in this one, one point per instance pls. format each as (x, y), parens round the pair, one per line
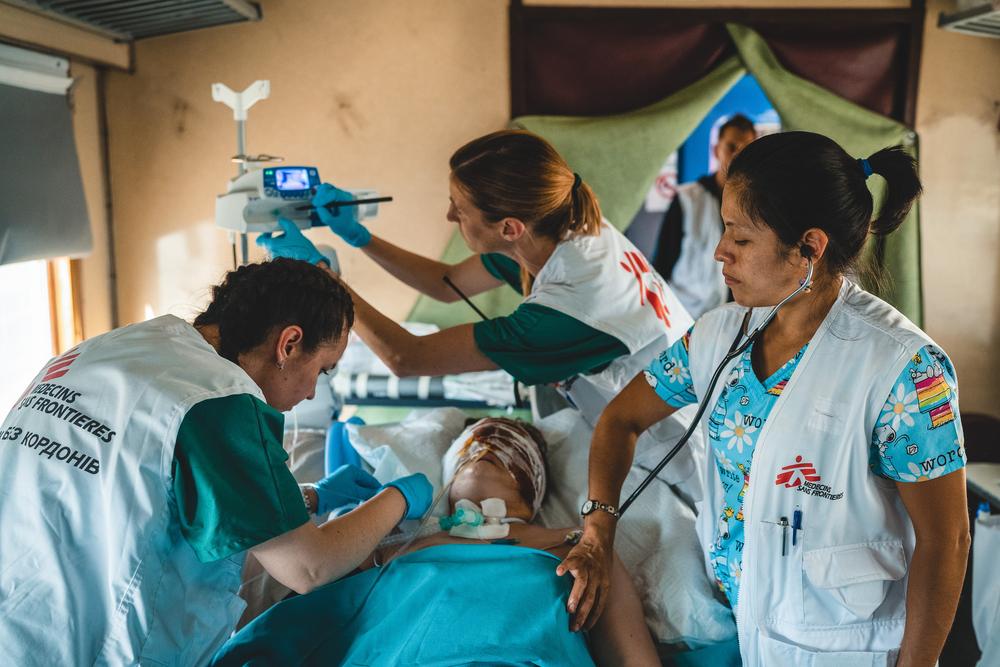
(306, 449)
(413, 445)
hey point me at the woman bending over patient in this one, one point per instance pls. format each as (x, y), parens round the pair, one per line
(490, 596)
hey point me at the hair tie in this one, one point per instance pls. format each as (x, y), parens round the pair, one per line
(576, 181)
(865, 167)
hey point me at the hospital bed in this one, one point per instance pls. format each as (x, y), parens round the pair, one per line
(656, 541)
(362, 379)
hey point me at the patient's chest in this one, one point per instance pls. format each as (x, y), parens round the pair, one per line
(556, 541)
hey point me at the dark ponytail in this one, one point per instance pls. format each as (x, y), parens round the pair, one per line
(899, 170)
(257, 299)
(794, 181)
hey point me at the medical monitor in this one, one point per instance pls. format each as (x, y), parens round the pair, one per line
(292, 178)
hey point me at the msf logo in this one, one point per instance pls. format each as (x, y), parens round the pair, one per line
(797, 474)
(60, 366)
(56, 369)
(652, 292)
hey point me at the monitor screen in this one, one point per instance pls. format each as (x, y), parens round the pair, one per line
(291, 179)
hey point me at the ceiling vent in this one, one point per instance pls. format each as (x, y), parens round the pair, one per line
(973, 17)
(129, 20)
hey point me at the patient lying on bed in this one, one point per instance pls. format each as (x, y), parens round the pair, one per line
(483, 599)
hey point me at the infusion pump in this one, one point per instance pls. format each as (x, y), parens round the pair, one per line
(255, 200)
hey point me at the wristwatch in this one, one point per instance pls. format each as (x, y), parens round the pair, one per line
(593, 505)
(305, 497)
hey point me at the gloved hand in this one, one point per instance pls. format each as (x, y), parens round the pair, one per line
(292, 244)
(344, 220)
(347, 484)
(417, 491)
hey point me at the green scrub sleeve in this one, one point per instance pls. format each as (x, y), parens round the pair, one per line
(539, 345)
(232, 485)
(503, 268)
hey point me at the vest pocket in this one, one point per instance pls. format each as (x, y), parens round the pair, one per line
(780, 598)
(846, 584)
(777, 653)
(825, 417)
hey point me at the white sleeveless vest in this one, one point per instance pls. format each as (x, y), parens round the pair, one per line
(93, 568)
(606, 283)
(838, 597)
(697, 277)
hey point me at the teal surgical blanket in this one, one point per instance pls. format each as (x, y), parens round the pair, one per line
(453, 604)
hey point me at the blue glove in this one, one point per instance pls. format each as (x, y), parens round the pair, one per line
(292, 244)
(344, 220)
(347, 484)
(417, 491)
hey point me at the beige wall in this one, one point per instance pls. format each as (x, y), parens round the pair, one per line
(373, 93)
(378, 93)
(95, 268)
(958, 111)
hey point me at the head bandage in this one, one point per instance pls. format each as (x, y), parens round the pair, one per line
(511, 445)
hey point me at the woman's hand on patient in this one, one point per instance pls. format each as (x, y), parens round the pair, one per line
(417, 491)
(590, 564)
(347, 484)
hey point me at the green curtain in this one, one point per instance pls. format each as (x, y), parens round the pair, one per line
(805, 106)
(620, 156)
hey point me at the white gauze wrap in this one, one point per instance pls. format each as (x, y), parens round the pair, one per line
(512, 445)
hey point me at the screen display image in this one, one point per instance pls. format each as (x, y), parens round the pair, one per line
(291, 179)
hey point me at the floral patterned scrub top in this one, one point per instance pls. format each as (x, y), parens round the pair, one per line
(916, 438)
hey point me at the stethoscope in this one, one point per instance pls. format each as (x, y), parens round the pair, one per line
(736, 349)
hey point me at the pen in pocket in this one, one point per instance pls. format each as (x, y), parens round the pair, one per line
(783, 522)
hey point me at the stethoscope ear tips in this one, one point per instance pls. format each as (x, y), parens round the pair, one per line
(805, 284)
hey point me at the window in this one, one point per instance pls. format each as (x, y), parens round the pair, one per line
(40, 319)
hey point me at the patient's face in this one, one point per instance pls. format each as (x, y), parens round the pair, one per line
(487, 478)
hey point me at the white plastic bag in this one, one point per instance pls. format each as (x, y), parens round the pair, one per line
(986, 588)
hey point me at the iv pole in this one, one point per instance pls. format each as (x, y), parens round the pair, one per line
(240, 103)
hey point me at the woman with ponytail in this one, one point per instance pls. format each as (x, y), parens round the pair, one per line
(594, 311)
(835, 521)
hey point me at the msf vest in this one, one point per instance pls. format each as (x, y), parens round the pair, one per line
(606, 283)
(93, 567)
(838, 596)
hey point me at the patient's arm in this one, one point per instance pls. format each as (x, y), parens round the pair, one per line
(620, 636)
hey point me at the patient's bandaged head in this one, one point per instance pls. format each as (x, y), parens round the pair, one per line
(519, 447)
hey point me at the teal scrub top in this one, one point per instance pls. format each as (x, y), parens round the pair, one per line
(230, 478)
(539, 345)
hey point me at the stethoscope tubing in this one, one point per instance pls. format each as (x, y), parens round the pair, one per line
(735, 350)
